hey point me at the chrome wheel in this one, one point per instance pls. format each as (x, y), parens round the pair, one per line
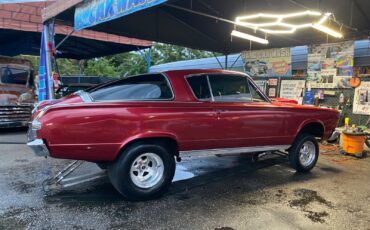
(147, 170)
(307, 154)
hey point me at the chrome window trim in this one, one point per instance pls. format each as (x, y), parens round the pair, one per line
(139, 100)
(85, 96)
(210, 88)
(252, 149)
(251, 82)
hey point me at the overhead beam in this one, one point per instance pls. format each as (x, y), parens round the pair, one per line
(58, 7)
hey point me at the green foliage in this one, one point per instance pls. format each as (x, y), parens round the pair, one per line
(124, 64)
(67, 67)
(99, 67)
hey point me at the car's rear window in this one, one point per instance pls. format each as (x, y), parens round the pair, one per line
(143, 87)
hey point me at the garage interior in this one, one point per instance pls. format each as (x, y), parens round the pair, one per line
(220, 191)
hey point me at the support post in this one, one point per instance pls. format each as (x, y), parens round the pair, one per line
(149, 58)
(79, 71)
(226, 61)
(49, 78)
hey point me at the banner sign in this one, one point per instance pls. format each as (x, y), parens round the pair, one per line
(20, 1)
(268, 62)
(292, 89)
(361, 101)
(330, 65)
(94, 12)
(43, 93)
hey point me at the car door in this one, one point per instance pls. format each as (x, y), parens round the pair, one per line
(245, 117)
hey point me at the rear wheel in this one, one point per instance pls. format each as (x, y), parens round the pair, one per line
(142, 171)
(304, 153)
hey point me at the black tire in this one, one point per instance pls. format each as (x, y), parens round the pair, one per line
(120, 175)
(295, 152)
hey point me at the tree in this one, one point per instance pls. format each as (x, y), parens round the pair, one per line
(100, 67)
(124, 64)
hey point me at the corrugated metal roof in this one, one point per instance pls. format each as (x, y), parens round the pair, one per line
(299, 57)
(234, 62)
(362, 53)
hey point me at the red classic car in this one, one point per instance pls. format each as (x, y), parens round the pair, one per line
(139, 125)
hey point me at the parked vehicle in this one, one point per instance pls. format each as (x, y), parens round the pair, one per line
(66, 90)
(16, 92)
(138, 126)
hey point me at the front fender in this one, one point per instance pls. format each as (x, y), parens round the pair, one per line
(310, 121)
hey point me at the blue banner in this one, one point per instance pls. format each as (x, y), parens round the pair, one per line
(43, 76)
(94, 12)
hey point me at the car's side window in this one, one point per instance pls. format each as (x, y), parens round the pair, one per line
(232, 88)
(199, 86)
(143, 87)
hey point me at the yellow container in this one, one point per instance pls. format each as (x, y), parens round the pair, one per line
(353, 143)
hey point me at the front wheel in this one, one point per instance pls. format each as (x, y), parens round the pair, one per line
(142, 171)
(304, 153)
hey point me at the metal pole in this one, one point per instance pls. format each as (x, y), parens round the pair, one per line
(64, 39)
(79, 71)
(149, 58)
(218, 60)
(48, 62)
(226, 61)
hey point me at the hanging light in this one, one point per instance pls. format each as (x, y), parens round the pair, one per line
(249, 37)
(279, 20)
(327, 30)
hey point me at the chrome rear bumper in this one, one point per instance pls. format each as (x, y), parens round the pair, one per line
(39, 148)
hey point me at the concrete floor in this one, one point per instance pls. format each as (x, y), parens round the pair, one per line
(211, 192)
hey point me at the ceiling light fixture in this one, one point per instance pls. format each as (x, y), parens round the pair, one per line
(288, 28)
(249, 37)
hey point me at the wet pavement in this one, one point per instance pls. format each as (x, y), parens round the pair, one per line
(210, 192)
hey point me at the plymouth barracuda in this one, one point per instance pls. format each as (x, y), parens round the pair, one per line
(139, 126)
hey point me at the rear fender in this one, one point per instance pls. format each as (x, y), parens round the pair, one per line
(148, 135)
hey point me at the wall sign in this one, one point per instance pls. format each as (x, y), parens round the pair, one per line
(93, 12)
(269, 62)
(272, 92)
(361, 100)
(292, 89)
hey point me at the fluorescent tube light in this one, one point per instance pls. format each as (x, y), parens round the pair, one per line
(327, 30)
(249, 37)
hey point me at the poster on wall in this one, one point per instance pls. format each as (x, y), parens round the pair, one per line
(261, 84)
(361, 101)
(268, 62)
(292, 89)
(272, 92)
(330, 65)
(363, 71)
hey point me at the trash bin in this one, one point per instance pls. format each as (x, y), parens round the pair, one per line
(353, 143)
